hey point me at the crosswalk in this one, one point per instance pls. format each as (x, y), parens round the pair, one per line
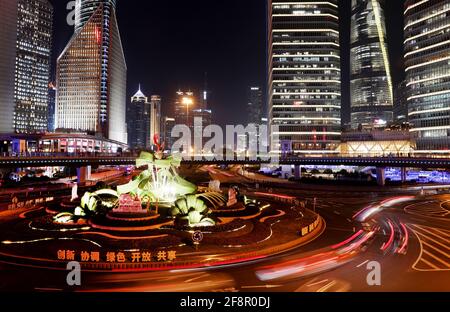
(435, 209)
(434, 248)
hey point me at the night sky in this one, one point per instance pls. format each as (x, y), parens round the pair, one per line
(170, 45)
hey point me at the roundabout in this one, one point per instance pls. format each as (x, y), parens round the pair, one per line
(154, 223)
(232, 235)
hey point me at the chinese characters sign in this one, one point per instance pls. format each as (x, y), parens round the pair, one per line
(15, 204)
(117, 257)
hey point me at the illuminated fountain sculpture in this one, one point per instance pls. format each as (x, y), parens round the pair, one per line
(160, 182)
(157, 185)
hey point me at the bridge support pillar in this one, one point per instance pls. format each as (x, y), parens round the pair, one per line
(403, 174)
(298, 172)
(381, 176)
(83, 174)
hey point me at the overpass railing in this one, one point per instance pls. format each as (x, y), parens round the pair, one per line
(194, 159)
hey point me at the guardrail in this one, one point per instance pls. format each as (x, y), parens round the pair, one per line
(87, 159)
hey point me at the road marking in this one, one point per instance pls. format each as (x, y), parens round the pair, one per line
(436, 258)
(429, 239)
(436, 210)
(438, 250)
(429, 264)
(327, 286)
(261, 286)
(317, 283)
(442, 231)
(195, 278)
(443, 203)
(360, 265)
(433, 240)
(280, 214)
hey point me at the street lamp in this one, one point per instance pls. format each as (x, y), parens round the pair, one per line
(187, 101)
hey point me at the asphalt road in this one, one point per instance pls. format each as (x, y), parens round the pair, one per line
(422, 265)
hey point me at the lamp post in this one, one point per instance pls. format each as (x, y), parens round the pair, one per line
(187, 101)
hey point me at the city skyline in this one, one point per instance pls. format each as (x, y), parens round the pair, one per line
(231, 70)
(237, 148)
(309, 131)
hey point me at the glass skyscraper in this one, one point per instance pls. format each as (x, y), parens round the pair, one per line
(26, 40)
(372, 98)
(427, 61)
(155, 118)
(185, 102)
(304, 76)
(139, 119)
(85, 8)
(255, 107)
(91, 74)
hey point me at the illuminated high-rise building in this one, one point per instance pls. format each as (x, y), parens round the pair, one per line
(304, 76)
(91, 74)
(155, 117)
(372, 98)
(167, 127)
(184, 104)
(8, 36)
(138, 121)
(401, 105)
(255, 107)
(255, 114)
(51, 107)
(84, 9)
(26, 41)
(427, 61)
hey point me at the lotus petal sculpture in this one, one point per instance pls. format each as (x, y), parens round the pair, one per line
(192, 211)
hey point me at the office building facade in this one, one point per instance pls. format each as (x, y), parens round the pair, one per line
(84, 9)
(371, 89)
(138, 121)
(167, 127)
(255, 107)
(91, 75)
(155, 118)
(304, 76)
(26, 41)
(427, 61)
(51, 107)
(184, 104)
